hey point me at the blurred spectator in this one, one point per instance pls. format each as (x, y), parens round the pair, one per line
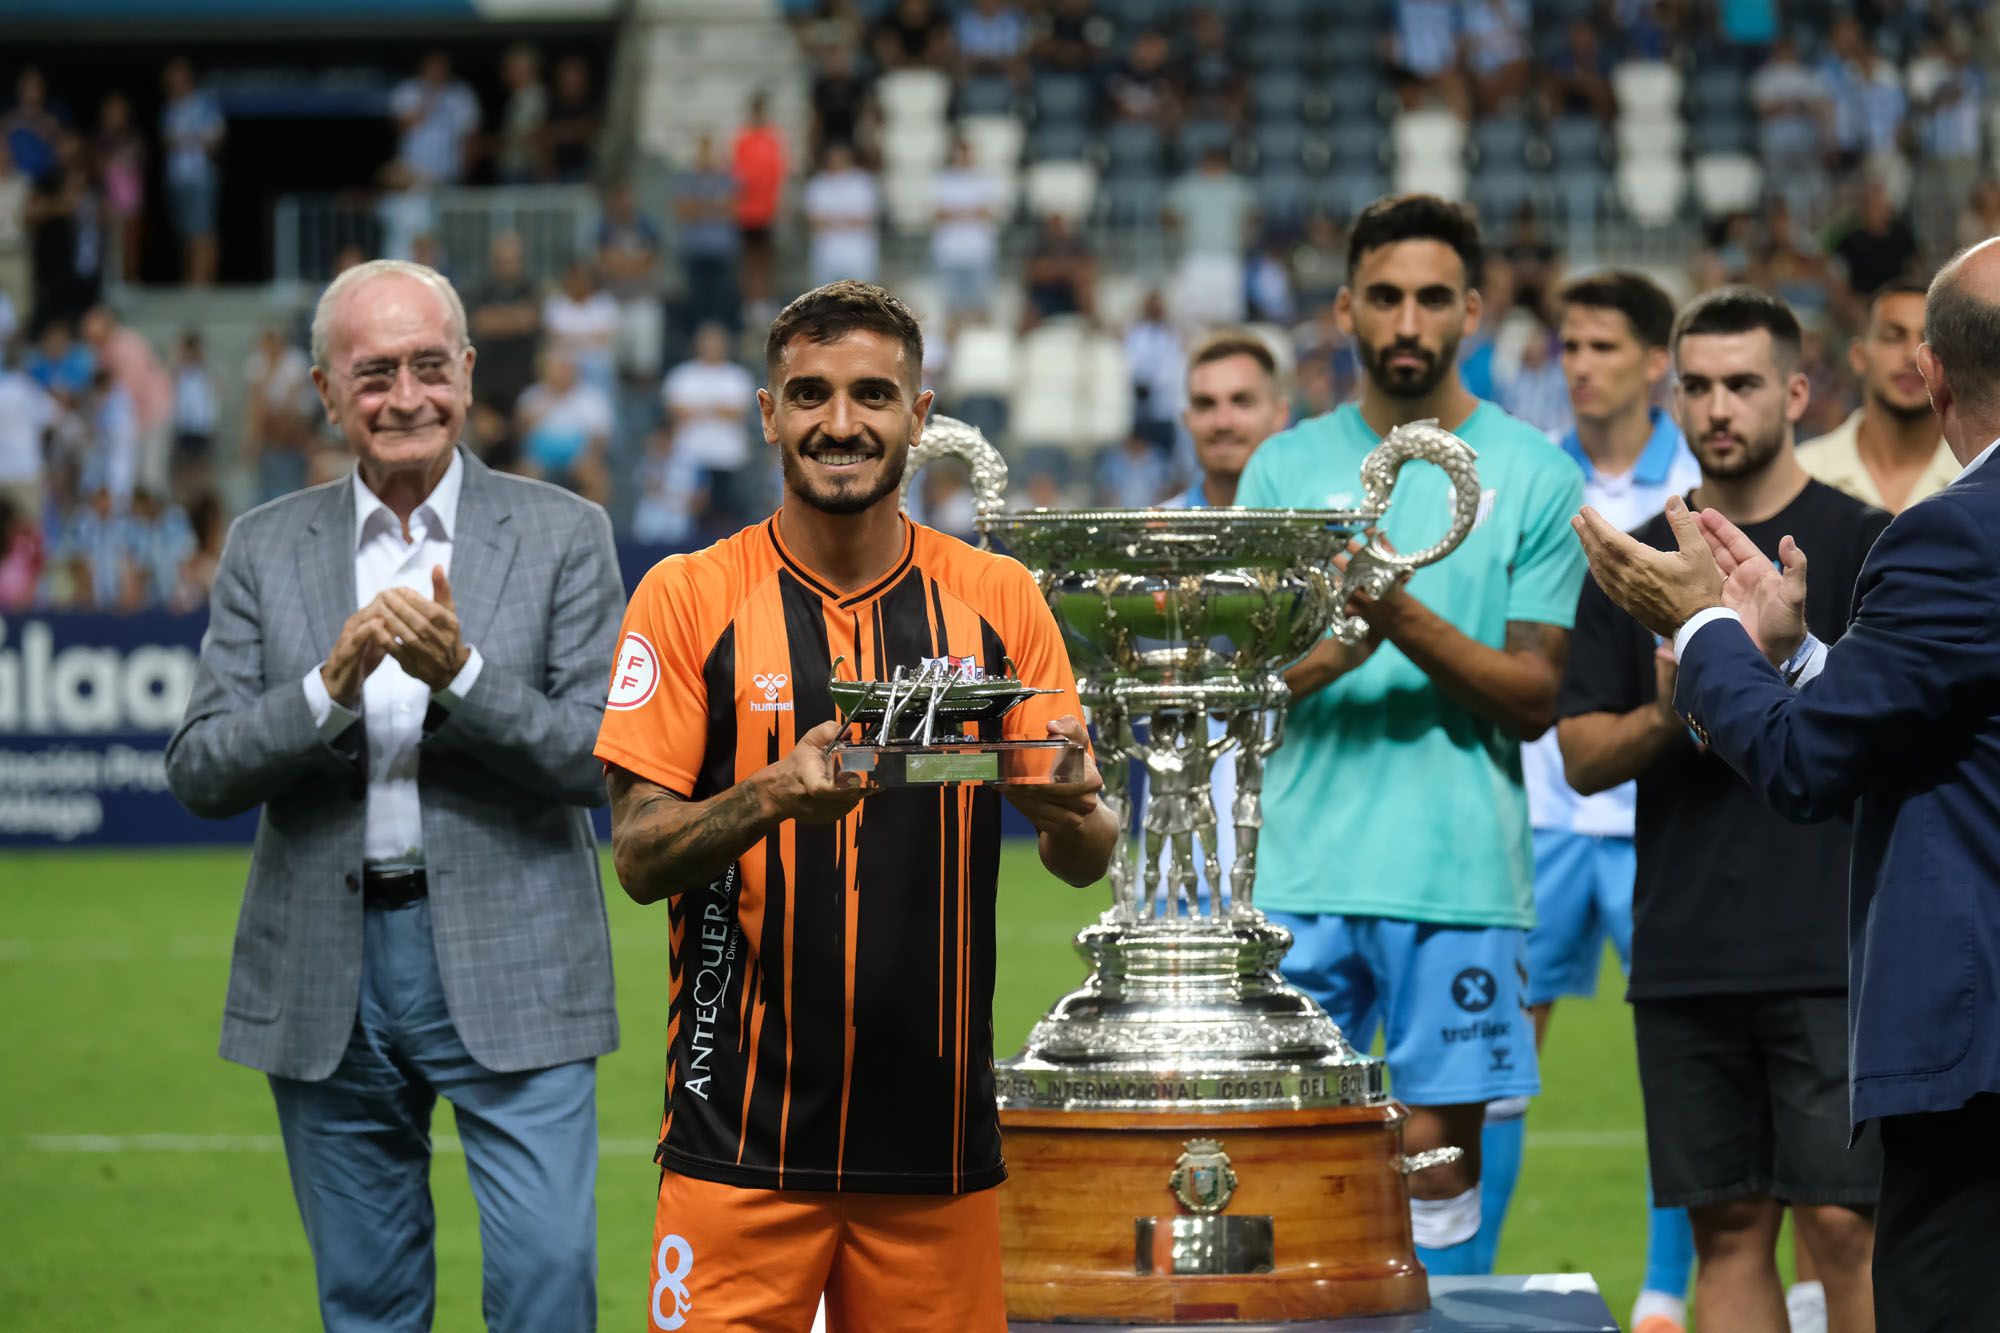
(1496, 51)
(705, 203)
(945, 502)
(965, 243)
(197, 572)
(90, 560)
(111, 450)
(1319, 263)
(191, 126)
(1426, 55)
(194, 417)
(992, 38)
(564, 423)
(1533, 387)
(130, 360)
(843, 206)
(1060, 275)
(1747, 26)
(1795, 114)
(520, 153)
(436, 114)
(426, 249)
(672, 494)
(14, 186)
(1578, 81)
(504, 315)
(33, 131)
(580, 320)
(1214, 212)
(912, 35)
(1868, 99)
(1791, 265)
(1135, 475)
(21, 555)
(628, 255)
(1141, 88)
(60, 364)
(840, 102)
(1981, 216)
(1875, 247)
(27, 413)
(276, 430)
(1070, 39)
(65, 226)
(1211, 73)
(709, 400)
(1946, 90)
(760, 165)
(1157, 362)
(162, 540)
(571, 135)
(1828, 401)
(1267, 283)
(832, 24)
(119, 157)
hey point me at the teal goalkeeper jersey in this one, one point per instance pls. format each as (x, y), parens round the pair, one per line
(1387, 798)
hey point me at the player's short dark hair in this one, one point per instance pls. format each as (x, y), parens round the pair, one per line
(1742, 309)
(828, 313)
(1417, 217)
(1964, 333)
(1644, 303)
(1897, 287)
(1225, 343)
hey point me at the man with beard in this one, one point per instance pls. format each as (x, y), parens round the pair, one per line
(830, 1123)
(1396, 844)
(1739, 948)
(1889, 453)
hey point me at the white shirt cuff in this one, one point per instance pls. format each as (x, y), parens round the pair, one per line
(461, 684)
(329, 718)
(1706, 616)
(1806, 663)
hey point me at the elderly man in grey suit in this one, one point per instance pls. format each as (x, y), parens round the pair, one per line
(406, 670)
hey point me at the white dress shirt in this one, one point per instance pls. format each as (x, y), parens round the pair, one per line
(393, 701)
(1803, 665)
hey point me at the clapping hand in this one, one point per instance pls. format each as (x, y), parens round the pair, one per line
(425, 630)
(1772, 602)
(1661, 589)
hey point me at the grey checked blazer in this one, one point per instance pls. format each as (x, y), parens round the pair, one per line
(504, 778)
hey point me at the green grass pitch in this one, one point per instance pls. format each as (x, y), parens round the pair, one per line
(144, 1188)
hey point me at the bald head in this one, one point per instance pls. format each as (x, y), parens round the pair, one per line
(1961, 354)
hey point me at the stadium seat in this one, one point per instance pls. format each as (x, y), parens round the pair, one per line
(1134, 199)
(1278, 94)
(1439, 176)
(1062, 97)
(1356, 144)
(913, 95)
(1579, 190)
(1134, 143)
(996, 142)
(1284, 196)
(1576, 139)
(1727, 183)
(983, 362)
(1065, 188)
(915, 144)
(1059, 140)
(1647, 90)
(1652, 192)
(1650, 138)
(1271, 48)
(1350, 46)
(1501, 140)
(1716, 88)
(906, 198)
(1356, 94)
(1428, 136)
(1724, 132)
(986, 95)
(1199, 136)
(1498, 192)
(1347, 192)
(1280, 143)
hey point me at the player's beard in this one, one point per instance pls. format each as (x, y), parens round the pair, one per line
(852, 497)
(1757, 453)
(1399, 382)
(1902, 413)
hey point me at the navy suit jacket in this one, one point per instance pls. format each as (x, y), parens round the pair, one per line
(1902, 724)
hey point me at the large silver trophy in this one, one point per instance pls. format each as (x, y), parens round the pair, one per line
(1178, 623)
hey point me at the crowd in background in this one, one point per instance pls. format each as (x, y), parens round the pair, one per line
(630, 377)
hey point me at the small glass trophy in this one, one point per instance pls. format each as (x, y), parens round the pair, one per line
(911, 729)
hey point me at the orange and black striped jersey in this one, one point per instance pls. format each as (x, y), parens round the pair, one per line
(830, 1018)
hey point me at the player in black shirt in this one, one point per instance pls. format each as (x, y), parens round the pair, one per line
(1739, 948)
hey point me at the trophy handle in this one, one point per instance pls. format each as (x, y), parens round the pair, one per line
(1376, 568)
(949, 437)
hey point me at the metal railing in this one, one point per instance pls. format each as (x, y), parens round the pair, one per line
(557, 224)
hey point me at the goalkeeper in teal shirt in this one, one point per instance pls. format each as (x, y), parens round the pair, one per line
(1396, 844)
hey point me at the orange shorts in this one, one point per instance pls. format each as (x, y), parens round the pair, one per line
(732, 1260)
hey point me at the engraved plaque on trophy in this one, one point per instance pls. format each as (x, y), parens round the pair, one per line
(912, 729)
(1188, 1137)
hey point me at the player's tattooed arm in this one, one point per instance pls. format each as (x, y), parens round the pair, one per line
(1513, 686)
(662, 843)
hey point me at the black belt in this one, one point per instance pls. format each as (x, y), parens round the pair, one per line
(393, 888)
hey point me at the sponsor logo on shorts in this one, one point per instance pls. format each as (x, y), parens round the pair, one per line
(671, 1267)
(1474, 990)
(772, 683)
(1484, 1029)
(636, 676)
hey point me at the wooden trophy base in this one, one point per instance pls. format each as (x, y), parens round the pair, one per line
(1320, 1206)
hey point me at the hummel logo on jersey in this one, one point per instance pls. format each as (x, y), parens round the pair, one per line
(771, 683)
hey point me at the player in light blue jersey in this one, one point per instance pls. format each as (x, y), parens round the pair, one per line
(1396, 844)
(1614, 333)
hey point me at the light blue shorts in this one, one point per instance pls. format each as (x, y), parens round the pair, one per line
(1453, 1001)
(1583, 892)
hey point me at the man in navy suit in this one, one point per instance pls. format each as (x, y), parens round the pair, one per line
(1901, 721)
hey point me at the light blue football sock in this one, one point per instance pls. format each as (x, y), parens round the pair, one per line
(1500, 1145)
(1669, 1249)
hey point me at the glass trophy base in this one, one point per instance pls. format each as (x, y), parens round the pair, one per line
(989, 763)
